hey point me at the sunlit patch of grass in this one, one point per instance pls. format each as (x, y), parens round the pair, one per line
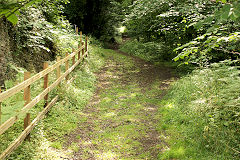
(107, 155)
(196, 117)
(121, 139)
(177, 153)
(78, 136)
(110, 114)
(56, 145)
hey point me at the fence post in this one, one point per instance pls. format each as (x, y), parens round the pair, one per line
(79, 46)
(86, 40)
(73, 58)
(0, 109)
(76, 30)
(27, 99)
(45, 85)
(58, 68)
(82, 49)
(66, 67)
(80, 37)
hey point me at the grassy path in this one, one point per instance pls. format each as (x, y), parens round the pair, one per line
(120, 122)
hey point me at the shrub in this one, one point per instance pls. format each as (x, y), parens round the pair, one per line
(151, 51)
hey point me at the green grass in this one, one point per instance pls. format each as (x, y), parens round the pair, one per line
(200, 113)
(117, 120)
(62, 118)
(196, 120)
(150, 51)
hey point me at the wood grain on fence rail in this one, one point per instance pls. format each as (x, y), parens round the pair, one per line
(8, 124)
(74, 57)
(58, 68)
(82, 48)
(66, 66)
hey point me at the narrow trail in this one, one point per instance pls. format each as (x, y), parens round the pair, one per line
(121, 120)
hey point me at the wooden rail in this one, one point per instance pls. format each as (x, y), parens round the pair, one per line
(25, 85)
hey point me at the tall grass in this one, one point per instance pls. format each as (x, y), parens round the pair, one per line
(202, 114)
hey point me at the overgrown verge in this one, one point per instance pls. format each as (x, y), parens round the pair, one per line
(48, 135)
(39, 33)
(201, 114)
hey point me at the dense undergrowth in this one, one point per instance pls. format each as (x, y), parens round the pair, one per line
(38, 35)
(150, 51)
(49, 134)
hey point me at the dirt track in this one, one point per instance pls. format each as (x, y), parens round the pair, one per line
(121, 120)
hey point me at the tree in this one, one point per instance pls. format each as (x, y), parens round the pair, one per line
(98, 18)
(195, 28)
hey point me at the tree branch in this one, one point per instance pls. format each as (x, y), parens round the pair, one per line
(224, 50)
(24, 3)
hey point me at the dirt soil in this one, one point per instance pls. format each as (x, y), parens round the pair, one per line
(110, 128)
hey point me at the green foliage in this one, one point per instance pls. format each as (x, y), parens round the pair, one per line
(89, 16)
(199, 31)
(38, 40)
(217, 38)
(209, 48)
(98, 18)
(228, 12)
(201, 112)
(53, 9)
(150, 51)
(167, 21)
(10, 9)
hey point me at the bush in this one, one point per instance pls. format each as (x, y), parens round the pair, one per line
(150, 51)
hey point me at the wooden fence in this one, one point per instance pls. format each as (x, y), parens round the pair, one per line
(81, 53)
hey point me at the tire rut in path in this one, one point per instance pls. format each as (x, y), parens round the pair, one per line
(142, 73)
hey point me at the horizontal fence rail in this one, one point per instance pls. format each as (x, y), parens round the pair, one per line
(81, 52)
